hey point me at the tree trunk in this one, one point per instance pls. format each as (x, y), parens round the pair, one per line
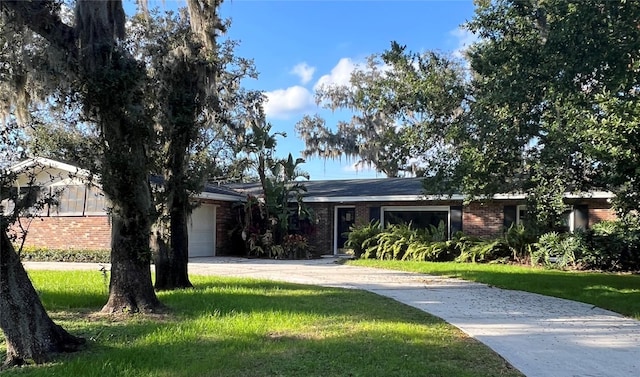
(130, 286)
(29, 333)
(172, 259)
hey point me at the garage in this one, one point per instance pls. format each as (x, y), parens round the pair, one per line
(202, 231)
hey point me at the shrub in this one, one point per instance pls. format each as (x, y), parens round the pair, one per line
(402, 242)
(562, 251)
(42, 254)
(358, 234)
(484, 251)
(613, 246)
(295, 246)
(521, 241)
(393, 242)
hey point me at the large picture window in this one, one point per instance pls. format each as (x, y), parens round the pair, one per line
(96, 203)
(418, 217)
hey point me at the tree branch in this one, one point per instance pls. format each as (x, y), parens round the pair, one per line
(41, 18)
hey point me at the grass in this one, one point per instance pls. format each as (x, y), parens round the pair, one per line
(617, 292)
(240, 327)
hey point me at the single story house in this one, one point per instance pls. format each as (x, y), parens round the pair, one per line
(338, 204)
(81, 220)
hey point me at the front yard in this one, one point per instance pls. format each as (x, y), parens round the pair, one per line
(242, 327)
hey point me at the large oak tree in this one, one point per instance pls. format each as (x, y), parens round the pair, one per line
(556, 107)
(93, 66)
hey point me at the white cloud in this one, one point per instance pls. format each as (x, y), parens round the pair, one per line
(283, 103)
(465, 38)
(304, 71)
(339, 75)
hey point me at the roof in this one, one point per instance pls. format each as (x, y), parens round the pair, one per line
(386, 189)
(353, 190)
(48, 163)
(220, 193)
(329, 191)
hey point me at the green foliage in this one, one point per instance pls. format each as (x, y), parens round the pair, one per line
(520, 241)
(423, 93)
(394, 241)
(358, 234)
(41, 254)
(483, 251)
(560, 251)
(556, 105)
(266, 225)
(404, 242)
(614, 245)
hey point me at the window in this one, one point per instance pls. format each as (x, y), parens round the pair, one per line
(96, 203)
(418, 217)
(521, 214)
(69, 201)
(574, 218)
(34, 195)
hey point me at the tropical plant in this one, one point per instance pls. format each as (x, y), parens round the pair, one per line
(358, 234)
(280, 203)
(520, 241)
(483, 251)
(561, 250)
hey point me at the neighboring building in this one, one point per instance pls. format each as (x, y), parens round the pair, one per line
(80, 218)
(81, 221)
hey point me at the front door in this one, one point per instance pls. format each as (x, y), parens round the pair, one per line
(346, 217)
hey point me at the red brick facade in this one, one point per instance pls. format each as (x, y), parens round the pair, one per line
(600, 210)
(484, 219)
(94, 232)
(76, 232)
(225, 221)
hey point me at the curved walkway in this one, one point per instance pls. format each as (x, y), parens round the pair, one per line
(539, 335)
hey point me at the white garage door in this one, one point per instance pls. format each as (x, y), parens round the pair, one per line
(202, 231)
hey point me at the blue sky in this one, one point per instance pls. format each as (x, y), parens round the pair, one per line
(297, 44)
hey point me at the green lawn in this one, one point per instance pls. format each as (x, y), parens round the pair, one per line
(617, 292)
(240, 327)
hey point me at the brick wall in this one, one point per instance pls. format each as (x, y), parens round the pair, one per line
(225, 223)
(322, 239)
(600, 210)
(90, 232)
(483, 219)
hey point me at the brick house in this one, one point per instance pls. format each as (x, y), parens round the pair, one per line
(80, 219)
(338, 204)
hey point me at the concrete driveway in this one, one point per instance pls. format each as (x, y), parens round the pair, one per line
(541, 336)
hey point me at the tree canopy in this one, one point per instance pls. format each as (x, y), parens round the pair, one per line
(405, 105)
(555, 99)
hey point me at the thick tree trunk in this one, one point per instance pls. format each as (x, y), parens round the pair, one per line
(30, 335)
(130, 286)
(172, 259)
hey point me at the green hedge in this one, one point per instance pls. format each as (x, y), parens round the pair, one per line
(40, 254)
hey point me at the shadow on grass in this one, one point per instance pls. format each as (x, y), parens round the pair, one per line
(364, 352)
(237, 327)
